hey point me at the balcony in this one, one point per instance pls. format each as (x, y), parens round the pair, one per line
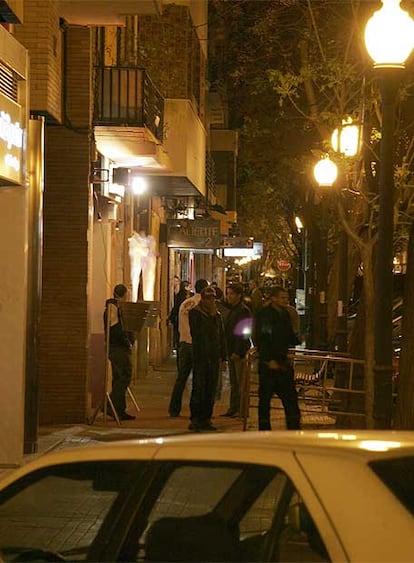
(106, 12)
(11, 11)
(126, 96)
(185, 143)
(129, 117)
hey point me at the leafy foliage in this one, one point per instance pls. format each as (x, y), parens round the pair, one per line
(291, 70)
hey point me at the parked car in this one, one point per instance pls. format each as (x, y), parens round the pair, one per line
(253, 496)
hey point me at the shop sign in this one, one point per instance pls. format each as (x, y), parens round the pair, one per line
(283, 265)
(11, 142)
(237, 242)
(193, 233)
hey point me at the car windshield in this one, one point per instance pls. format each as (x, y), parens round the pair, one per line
(398, 475)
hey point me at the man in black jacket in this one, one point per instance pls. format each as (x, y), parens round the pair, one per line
(238, 331)
(119, 352)
(209, 350)
(273, 337)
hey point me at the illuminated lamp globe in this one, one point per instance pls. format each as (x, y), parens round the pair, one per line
(389, 35)
(139, 185)
(325, 172)
(345, 139)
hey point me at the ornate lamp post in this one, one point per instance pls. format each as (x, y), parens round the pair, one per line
(389, 36)
(325, 172)
(345, 140)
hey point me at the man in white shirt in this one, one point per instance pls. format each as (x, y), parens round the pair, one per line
(185, 355)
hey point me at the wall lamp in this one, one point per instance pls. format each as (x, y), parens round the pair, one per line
(139, 185)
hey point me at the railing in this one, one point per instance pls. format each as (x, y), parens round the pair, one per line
(210, 177)
(126, 96)
(325, 384)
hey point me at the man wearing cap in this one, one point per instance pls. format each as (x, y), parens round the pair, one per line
(119, 352)
(274, 336)
(209, 350)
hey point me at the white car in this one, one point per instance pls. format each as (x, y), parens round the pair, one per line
(252, 496)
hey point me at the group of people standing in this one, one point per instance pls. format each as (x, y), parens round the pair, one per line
(210, 330)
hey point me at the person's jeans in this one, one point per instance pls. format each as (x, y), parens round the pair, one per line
(185, 365)
(282, 383)
(120, 358)
(203, 394)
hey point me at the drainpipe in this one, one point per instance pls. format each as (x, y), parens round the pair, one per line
(35, 174)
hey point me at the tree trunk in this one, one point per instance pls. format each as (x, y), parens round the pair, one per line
(361, 347)
(367, 256)
(405, 402)
(332, 296)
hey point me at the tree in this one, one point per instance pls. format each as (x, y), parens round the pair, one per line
(293, 70)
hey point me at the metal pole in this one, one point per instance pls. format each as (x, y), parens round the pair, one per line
(384, 263)
(35, 171)
(322, 275)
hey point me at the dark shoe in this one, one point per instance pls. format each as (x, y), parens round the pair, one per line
(174, 415)
(208, 428)
(230, 413)
(126, 416)
(194, 427)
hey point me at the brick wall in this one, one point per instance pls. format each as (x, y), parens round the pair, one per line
(64, 326)
(41, 35)
(165, 48)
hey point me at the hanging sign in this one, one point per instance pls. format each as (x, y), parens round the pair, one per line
(283, 265)
(193, 233)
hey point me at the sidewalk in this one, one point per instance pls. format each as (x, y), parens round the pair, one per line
(152, 394)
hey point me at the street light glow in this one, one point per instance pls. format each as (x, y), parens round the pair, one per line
(389, 35)
(345, 139)
(139, 185)
(298, 223)
(325, 172)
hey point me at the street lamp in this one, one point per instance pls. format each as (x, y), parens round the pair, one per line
(389, 38)
(325, 172)
(345, 140)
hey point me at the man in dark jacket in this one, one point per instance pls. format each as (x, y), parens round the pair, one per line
(238, 331)
(208, 345)
(273, 337)
(119, 343)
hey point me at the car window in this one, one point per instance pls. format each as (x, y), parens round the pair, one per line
(217, 512)
(300, 539)
(197, 511)
(398, 475)
(60, 510)
(193, 490)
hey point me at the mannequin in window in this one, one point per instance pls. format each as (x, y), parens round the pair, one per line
(143, 262)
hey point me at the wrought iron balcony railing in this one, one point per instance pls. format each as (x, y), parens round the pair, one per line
(210, 176)
(127, 96)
